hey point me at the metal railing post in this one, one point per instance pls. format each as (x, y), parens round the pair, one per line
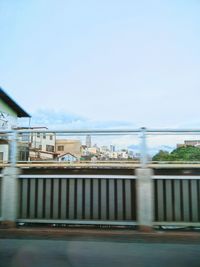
(143, 148)
(13, 150)
(144, 188)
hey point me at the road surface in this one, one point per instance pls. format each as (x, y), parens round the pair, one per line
(49, 253)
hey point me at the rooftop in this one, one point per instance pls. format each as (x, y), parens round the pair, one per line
(12, 104)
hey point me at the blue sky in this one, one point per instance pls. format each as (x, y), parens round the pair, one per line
(104, 62)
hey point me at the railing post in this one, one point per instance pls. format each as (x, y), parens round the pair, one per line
(145, 196)
(144, 188)
(143, 148)
(10, 188)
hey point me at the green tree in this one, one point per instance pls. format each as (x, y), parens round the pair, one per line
(161, 156)
(188, 153)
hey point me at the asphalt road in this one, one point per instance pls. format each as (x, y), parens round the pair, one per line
(49, 253)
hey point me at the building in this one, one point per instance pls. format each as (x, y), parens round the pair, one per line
(189, 143)
(67, 157)
(88, 142)
(94, 150)
(192, 142)
(40, 145)
(112, 148)
(73, 147)
(10, 111)
(104, 149)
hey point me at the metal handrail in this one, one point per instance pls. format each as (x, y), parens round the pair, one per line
(142, 133)
(109, 131)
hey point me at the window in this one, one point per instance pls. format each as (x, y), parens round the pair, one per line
(49, 148)
(51, 137)
(1, 156)
(44, 136)
(23, 153)
(38, 135)
(25, 137)
(60, 148)
(40, 147)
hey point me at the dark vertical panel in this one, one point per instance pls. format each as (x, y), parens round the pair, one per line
(55, 198)
(24, 197)
(96, 203)
(168, 195)
(186, 208)
(75, 199)
(19, 213)
(32, 198)
(67, 200)
(107, 197)
(48, 199)
(51, 198)
(83, 199)
(59, 198)
(71, 198)
(44, 198)
(128, 197)
(99, 198)
(155, 182)
(63, 198)
(133, 200)
(194, 201)
(40, 192)
(177, 201)
(28, 197)
(124, 199)
(79, 199)
(115, 192)
(119, 200)
(36, 197)
(103, 199)
(91, 198)
(164, 200)
(111, 199)
(87, 197)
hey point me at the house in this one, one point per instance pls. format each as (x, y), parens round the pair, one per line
(10, 111)
(67, 157)
(73, 147)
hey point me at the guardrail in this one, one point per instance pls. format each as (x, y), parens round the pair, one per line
(106, 199)
(142, 199)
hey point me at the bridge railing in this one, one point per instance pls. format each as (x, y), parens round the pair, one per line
(142, 199)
